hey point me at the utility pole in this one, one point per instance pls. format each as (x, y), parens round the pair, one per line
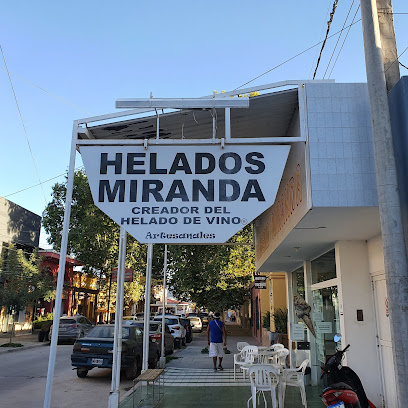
(395, 257)
(388, 43)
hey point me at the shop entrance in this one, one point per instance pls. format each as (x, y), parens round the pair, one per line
(326, 312)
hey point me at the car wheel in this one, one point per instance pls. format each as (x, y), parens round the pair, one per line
(134, 370)
(172, 348)
(82, 372)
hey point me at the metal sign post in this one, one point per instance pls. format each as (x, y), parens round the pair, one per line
(163, 358)
(145, 364)
(61, 274)
(117, 340)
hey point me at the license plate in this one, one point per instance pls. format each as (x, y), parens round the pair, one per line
(97, 361)
(337, 405)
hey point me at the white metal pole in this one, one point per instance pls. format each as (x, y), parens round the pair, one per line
(393, 240)
(289, 296)
(61, 270)
(163, 359)
(117, 340)
(227, 123)
(145, 364)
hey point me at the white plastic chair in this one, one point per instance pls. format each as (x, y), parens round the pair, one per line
(245, 358)
(241, 345)
(264, 377)
(294, 377)
(281, 356)
(277, 346)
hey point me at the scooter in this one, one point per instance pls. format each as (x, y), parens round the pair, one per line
(344, 386)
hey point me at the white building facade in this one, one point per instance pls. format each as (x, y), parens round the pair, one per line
(324, 232)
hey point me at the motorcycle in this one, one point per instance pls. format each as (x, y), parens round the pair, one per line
(344, 388)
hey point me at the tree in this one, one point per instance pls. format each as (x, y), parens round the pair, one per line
(216, 277)
(93, 237)
(24, 281)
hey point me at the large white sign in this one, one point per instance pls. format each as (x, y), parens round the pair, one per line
(184, 194)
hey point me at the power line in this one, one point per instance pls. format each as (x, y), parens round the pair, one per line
(396, 59)
(36, 185)
(50, 93)
(338, 39)
(320, 38)
(327, 34)
(402, 65)
(22, 121)
(295, 56)
(342, 45)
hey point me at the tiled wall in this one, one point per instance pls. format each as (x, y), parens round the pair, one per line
(340, 142)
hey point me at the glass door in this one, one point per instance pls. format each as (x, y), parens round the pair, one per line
(327, 321)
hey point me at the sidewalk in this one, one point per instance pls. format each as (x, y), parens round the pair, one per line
(189, 379)
(28, 340)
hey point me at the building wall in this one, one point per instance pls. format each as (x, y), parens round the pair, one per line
(340, 143)
(18, 225)
(355, 293)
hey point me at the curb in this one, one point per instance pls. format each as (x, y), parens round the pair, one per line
(4, 350)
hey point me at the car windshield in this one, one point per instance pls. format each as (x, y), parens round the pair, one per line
(194, 319)
(185, 321)
(107, 332)
(67, 321)
(169, 320)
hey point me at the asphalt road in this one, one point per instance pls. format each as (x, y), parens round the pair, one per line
(23, 377)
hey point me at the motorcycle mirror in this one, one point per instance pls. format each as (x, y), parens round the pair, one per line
(337, 337)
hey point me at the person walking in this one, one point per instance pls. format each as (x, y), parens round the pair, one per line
(216, 336)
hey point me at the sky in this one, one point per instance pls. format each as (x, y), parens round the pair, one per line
(70, 60)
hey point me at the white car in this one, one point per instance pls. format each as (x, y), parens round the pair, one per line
(196, 324)
(177, 330)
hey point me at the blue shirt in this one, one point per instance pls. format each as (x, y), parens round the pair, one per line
(215, 331)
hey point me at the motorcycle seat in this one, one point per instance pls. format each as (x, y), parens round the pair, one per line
(338, 386)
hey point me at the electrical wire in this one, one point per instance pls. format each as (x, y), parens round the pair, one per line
(295, 56)
(36, 185)
(396, 59)
(22, 122)
(49, 93)
(320, 37)
(344, 40)
(338, 39)
(403, 65)
(327, 34)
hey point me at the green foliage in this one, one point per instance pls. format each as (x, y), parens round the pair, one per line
(205, 350)
(13, 345)
(44, 321)
(215, 277)
(93, 238)
(266, 321)
(280, 317)
(24, 282)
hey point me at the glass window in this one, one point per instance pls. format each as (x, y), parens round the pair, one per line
(324, 267)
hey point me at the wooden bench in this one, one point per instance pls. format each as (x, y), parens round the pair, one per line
(153, 379)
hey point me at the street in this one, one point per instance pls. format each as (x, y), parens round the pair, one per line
(23, 376)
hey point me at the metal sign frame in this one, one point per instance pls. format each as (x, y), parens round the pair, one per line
(80, 128)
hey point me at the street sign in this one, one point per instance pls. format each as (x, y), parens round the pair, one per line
(184, 194)
(260, 282)
(128, 275)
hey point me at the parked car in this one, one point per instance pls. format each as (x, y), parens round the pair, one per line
(189, 329)
(95, 350)
(137, 316)
(155, 334)
(204, 318)
(196, 324)
(176, 328)
(193, 314)
(72, 328)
